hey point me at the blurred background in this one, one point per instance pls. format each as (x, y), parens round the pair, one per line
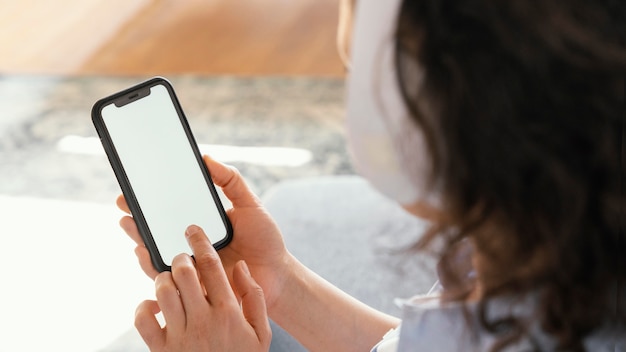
(146, 37)
(262, 86)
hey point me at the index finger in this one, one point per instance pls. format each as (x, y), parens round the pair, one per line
(210, 268)
(234, 186)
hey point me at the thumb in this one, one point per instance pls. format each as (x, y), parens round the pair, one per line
(232, 183)
(252, 301)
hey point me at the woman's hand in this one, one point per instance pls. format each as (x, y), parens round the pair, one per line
(256, 238)
(201, 310)
(329, 319)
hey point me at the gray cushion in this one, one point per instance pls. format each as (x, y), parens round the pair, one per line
(352, 236)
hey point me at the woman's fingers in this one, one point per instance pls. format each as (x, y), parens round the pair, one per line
(147, 324)
(169, 302)
(129, 226)
(121, 203)
(127, 223)
(207, 316)
(252, 301)
(145, 262)
(189, 287)
(229, 179)
(209, 266)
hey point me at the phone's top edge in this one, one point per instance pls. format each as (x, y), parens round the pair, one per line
(150, 82)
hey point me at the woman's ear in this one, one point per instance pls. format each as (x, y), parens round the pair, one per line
(425, 211)
(344, 30)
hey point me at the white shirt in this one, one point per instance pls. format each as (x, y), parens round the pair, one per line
(429, 325)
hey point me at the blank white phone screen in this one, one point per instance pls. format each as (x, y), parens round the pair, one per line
(163, 172)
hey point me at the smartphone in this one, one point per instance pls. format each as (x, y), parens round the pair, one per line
(159, 168)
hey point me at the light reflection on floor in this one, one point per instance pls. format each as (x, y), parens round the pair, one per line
(267, 156)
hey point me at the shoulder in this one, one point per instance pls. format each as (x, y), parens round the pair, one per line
(429, 325)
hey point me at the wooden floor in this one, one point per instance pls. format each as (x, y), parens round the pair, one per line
(144, 37)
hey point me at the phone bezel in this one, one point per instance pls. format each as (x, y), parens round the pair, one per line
(127, 96)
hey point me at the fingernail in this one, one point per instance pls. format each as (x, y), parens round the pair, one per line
(191, 230)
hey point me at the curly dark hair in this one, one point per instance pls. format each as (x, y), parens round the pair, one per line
(522, 105)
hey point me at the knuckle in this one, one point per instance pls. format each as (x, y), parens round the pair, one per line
(183, 268)
(228, 307)
(164, 283)
(140, 314)
(235, 171)
(234, 177)
(181, 261)
(208, 259)
(139, 321)
(257, 291)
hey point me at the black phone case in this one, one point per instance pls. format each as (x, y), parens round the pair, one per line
(125, 97)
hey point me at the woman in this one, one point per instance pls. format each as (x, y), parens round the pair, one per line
(502, 123)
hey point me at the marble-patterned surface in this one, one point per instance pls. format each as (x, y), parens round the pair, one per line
(37, 113)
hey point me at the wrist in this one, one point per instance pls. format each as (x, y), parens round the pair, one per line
(285, 278)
